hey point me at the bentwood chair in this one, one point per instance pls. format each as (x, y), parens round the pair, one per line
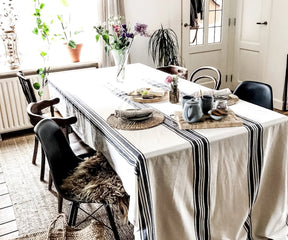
(209, 73)
(64, 164)
(258, 93)
(175, 70)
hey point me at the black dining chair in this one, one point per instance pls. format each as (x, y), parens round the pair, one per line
(34, 110)
(209, 73)
(63, 163)
(258, 93)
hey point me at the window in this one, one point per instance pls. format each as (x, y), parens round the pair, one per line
(213, 31)
(30, 45)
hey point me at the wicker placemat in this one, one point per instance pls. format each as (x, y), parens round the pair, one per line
(231, 120)
(125, 124)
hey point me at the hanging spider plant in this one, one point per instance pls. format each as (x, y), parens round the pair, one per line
(163, 47)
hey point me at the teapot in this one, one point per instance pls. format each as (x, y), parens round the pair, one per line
(192, 111)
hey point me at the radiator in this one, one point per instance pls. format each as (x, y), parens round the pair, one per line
(13, 115)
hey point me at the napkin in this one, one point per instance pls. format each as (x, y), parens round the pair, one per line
(216, 93)
(133, 113)
(222, 92)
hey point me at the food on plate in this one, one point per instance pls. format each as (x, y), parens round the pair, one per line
(148, 92)
(219, 112)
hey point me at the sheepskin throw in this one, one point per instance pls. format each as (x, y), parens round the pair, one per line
(94, 180)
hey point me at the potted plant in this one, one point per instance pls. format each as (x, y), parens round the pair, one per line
(163, 47)
(69, 36)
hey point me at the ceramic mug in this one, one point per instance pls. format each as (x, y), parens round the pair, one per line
(192, 111)
(185, 98)
(207, 103)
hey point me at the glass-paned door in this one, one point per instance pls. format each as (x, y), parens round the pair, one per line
(206, 42)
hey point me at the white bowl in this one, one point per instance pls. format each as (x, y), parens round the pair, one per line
(215, 117)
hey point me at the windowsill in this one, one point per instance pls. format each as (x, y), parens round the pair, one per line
(7, 72)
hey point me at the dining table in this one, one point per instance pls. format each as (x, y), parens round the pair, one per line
(218, 183)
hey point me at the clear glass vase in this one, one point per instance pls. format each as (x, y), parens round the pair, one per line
(174, 95)
(120, 59)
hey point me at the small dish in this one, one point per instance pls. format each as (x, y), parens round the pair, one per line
(215, 117)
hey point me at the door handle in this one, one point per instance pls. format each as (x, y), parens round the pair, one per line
(262, 23)
(186, 24)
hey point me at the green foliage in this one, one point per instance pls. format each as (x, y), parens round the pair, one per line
(163, 47)
(43, 29)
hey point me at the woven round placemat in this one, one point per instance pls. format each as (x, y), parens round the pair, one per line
(124, 124)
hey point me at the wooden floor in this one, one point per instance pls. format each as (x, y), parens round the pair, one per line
(8, 227)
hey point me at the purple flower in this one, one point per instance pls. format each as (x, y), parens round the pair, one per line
(124, 27)
(130, 35)
(141, 28)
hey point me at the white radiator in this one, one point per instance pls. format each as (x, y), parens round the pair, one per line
(13, 115)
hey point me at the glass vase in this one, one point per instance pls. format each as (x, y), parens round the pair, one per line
(120, 59)
(174, 95)
(10, 43)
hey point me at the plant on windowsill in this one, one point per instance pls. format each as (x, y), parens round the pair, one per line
(69, 36)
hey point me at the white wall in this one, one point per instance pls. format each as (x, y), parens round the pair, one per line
(153, 13)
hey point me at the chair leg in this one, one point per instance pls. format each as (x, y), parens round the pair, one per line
(112, 222)
(73, 213)
(50, 181)
(60, 203)
(42, 170)
(36, 143)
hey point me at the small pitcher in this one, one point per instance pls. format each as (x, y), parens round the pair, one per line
(192, 111)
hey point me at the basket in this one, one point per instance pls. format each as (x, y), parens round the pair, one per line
(94, 231)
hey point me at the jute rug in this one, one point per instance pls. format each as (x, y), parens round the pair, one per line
(33, 204)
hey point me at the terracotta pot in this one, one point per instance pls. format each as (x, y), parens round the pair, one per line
(75, 53)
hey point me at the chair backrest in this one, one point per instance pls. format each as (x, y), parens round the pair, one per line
(34, 111)
(213, 74)
(60, 156)
(255, 92)
(176, 70)
(26, 87)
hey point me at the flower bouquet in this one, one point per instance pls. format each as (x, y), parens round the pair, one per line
(118, 38)
(174, 91)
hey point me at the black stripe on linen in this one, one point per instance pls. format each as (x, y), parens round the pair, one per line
(201, 168)
(254, 166)
(129, 152)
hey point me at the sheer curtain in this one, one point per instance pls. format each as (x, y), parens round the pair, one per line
(107, 8)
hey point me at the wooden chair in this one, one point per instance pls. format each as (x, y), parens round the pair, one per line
(214, 75)
(63, 163)
(26, 87)
(175, 70)
(258, 93)
(30, 97)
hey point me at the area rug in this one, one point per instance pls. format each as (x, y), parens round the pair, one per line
(34, 205)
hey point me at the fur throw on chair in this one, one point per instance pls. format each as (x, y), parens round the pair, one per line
(94, 180)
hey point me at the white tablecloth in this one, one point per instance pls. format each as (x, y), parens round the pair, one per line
(224, 183)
